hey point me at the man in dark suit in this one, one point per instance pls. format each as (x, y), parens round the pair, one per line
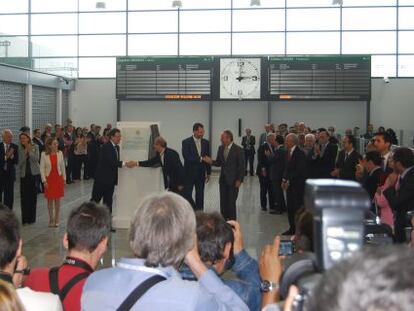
(382, 143)
(230, 158)
(106, 177)
(372, 165)
(277, 167)
(325, 155)
(348, 159)
(401, 198)
(8, 161)
(172, 169)
(310, 158)
(38, 141)
(93, 152)
(248, 143)
(263, 172)
(197, 172)
(294, 179)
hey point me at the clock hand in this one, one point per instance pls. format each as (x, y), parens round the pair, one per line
(246, 77)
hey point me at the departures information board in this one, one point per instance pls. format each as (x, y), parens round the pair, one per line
(164, 78)
(341, 77)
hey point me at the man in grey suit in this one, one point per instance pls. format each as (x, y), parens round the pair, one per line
(230, 157)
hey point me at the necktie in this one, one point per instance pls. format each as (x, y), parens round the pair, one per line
(226, 153)
(346, 156)
(383, 163)
(162, 158)
(289, 155)
(117, 151)
(5, 155)
(198, 145)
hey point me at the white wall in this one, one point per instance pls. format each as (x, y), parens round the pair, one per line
(176, 118)
(93, 101)
(392, 105)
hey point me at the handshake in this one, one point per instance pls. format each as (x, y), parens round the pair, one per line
(207, 159)
(131, 164)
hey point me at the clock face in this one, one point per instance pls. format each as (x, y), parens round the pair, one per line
(240, 78)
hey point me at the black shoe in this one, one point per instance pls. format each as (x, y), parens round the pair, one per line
(288, 232)
(251, 174)
(264, 209)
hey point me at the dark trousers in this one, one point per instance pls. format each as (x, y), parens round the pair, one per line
(249, 158)
(70, 167)
(400, 223)
(197, 182)
(78, 161)
(28, 198)
(91, 165)
(294, 196)
(266, 192)
(278, 198)
(228, 198)
(103, 191)
(7, 190)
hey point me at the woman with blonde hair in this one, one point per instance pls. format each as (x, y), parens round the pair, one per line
(9, 300)
(52, 170)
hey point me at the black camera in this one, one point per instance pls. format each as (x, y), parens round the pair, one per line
(338, 209)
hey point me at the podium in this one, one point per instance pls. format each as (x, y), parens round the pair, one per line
(134, 184)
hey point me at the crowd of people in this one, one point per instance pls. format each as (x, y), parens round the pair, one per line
(46, 159)
(180, 252)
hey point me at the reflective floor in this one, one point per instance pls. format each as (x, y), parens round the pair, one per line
(43, 246)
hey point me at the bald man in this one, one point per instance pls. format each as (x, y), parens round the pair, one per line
(172, 168)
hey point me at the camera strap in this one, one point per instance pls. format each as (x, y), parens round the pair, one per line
(54, 281)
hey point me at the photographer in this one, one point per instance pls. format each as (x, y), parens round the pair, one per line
(220, 244)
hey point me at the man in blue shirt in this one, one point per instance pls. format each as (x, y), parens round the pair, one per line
(162, 236)
(220, 244)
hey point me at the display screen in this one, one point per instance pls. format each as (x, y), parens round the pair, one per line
(163, 78)
(342, 77)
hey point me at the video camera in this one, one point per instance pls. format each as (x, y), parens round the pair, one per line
(338, 209)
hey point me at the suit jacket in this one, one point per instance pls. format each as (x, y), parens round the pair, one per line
(172, 169)
(295, 169)
(347, 168)
(402, 201)
(107, 166)
(193, 165)
(33, 160)
(46, 165)
(372, 181)
(249, 146)
(40, 145)
(277, 164)
(263, 162)
(311, 164)
(233, 168)
(10, 171)
(326, 162)
(263, 138)
(93, 146)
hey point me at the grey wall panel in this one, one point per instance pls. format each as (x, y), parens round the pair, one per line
(65, 106)
(44, 106)
(12, 106)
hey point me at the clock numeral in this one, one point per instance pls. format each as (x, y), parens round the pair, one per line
(239, 92)
(225, 78)
(240, 64)
(254, 78)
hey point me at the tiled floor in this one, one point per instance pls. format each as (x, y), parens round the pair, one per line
(43, 246)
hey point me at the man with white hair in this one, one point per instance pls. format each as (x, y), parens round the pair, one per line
(8, 161)
(162, 236)
(308, 149)
(294, 179)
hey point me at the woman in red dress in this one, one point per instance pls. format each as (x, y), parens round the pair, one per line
(52, 170)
